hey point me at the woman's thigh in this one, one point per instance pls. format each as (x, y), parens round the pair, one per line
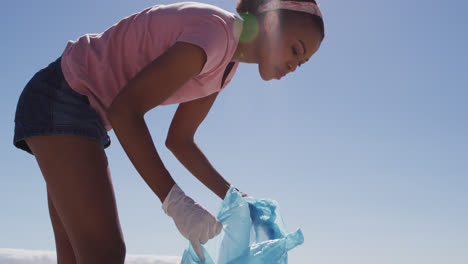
(78, 181)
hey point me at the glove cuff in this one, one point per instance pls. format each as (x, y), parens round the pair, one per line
(173, 194)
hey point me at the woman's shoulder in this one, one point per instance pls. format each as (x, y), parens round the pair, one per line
(194, 9)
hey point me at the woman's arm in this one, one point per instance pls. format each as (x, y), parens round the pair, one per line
(180, 141)
(148, 89)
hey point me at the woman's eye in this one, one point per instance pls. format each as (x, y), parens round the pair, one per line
(296, 54)
(294, 51)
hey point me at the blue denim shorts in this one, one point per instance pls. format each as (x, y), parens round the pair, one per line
(49, 106)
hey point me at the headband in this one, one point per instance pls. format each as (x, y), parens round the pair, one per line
(307, 7)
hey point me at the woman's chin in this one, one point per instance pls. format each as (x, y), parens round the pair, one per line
(269, 78)
(265, 76)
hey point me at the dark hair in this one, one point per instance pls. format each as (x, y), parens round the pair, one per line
(251, 7)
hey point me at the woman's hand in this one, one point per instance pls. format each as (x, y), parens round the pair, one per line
(193, 221)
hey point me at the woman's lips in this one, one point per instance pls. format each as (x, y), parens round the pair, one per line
(279, 74)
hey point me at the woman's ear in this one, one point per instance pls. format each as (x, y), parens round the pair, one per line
(271, 21)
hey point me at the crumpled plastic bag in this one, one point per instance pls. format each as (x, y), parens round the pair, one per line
(253, 233)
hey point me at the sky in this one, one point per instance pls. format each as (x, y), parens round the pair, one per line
(365, 147)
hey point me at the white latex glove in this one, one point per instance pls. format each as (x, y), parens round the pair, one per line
(193, 221)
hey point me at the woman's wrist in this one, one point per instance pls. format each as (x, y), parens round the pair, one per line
(198, 164)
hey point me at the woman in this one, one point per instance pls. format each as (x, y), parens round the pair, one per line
(183, 53)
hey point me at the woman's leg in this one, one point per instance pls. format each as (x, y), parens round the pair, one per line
(79, 185)
(65, 254)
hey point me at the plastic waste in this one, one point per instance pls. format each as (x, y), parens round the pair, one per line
(253, 233)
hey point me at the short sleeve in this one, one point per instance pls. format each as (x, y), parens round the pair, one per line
(209, 33)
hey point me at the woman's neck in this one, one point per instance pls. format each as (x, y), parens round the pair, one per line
(246, 48)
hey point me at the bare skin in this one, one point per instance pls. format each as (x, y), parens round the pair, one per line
(65, 253)
(81, 199)
(280, 50)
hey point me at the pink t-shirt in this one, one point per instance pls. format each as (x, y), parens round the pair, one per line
(100, 65)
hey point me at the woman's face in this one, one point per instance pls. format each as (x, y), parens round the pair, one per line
(283, 49)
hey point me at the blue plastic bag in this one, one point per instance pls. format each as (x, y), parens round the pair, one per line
(253, 233)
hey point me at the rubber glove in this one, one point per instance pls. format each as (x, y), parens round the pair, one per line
(193, 221)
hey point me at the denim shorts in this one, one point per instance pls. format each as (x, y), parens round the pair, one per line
(49, 106)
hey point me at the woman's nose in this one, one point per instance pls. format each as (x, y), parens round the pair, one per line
(292, 67)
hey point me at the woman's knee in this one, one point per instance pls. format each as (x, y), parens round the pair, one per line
(101, 250)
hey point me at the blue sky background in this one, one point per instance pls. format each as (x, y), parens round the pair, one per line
(365, 147)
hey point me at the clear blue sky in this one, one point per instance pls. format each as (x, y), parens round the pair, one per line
(365, 147)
